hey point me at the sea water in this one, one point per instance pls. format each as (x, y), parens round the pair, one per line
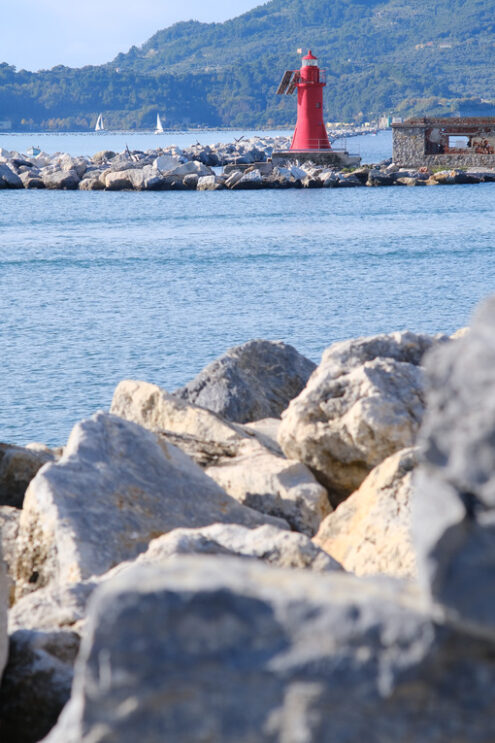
(96, 287)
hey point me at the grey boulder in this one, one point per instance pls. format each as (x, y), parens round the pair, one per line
(252, 381)
(66, 180)
(18, 466)
(36, 684)
(232, 651)
(454, 511)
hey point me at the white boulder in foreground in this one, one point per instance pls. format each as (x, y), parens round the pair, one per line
(240, 459)
(370, 532)
(363, 403)
(227, 650)
(115, 489)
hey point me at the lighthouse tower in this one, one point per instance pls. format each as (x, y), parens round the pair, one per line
(310, 141)
(310, 132)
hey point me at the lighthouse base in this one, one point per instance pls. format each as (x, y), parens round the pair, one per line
(328, 158)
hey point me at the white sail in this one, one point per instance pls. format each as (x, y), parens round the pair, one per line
(99, 124)
(159, 125)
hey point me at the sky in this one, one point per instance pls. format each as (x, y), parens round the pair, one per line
(39, 34)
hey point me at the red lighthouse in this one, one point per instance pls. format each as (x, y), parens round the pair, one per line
(310, 132)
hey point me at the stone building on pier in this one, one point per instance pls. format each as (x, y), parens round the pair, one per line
(444, 142)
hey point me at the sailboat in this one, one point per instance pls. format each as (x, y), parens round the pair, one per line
(159, 126)
(100, 126)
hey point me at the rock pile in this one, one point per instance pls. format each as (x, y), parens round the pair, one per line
(200, 554)
(191, 168)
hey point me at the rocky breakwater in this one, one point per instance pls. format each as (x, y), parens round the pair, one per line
(275, 552)
(246, 164)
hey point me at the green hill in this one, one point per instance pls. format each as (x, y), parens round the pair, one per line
(381, 56)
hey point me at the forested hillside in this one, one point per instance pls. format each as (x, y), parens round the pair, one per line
(401, 56)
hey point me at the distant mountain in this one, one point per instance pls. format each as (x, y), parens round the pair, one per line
(402, 56)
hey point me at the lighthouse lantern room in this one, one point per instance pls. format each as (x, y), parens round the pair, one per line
(310, 132)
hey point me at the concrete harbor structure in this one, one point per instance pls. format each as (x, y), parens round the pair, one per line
(445, 142)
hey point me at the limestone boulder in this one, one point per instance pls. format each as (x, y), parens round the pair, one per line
(248, 180)
(103, 156)
(93, 183)
(4, 603)
(165, 163)
(78, 164)
(36, 684)
(271, 545)
(210, 183)
(348, 180)
(9, 530)
(64, 607)
(252, 381)
(9, 178)
(66, 180)
(364, 403)
(193, 167)
(243, 461)
(32, 179)
(116, 488)
(233, 178)
(454, 506)
(370, 532)
(379, 178)
(56, 606)
(221, 649)
(119, 180)
(18, 466)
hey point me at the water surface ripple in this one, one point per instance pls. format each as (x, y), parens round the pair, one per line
(99, 287)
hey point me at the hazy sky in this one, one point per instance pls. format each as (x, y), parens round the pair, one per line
(38, 34)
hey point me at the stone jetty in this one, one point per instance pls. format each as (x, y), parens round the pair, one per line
(235, 166)
(278, 552)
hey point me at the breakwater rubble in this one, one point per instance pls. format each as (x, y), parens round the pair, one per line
(277, 551)
(246, 165)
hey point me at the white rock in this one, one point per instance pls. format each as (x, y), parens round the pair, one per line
(209, 183)
(9, 529)
(56, 607)
(370, 532)
(116, 488)
(164, 163)
(266, 543)
(239, 459)
(4, 603)
(362, 404)
(120, 180)
(192, 167)
(298, 173)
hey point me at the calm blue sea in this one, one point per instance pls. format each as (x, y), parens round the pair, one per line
(96, 287)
